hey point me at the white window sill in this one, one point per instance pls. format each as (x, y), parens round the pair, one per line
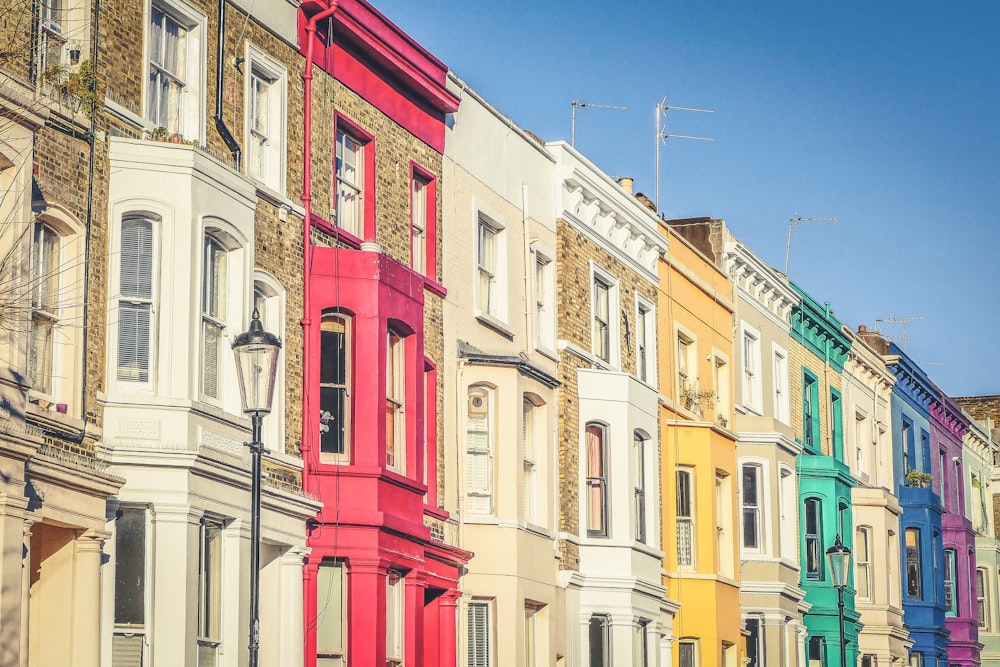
(496, 325)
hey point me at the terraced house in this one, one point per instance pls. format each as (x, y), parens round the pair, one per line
(501, 386)
(867, 386)
(610, 551)
(771, 598)
(695, 299)
(818, 354)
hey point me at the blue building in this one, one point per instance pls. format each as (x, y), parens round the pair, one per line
(921, 549)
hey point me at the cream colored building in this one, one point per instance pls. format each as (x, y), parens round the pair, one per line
(867, 389)
(501, 407)
(772, 601)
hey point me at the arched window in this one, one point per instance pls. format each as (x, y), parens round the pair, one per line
(44, 283)
(814, 538)
(597, 480)
(335, 375)
(135, 303)
(395, 403)
(639, 485)
(479, 451)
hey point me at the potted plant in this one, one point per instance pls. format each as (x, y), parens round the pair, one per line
(159, 134)
(694, 398)
(917, 479)
(176, 139)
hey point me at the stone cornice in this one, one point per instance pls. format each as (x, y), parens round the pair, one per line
(759, 281)
(948, 415)
(911, 380)
(592, 202)
(815, 327)
(866, 360)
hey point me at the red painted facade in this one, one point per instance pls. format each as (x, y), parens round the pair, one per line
(372, 526)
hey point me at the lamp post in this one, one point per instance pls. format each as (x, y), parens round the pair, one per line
(839, 557)
(256, 353)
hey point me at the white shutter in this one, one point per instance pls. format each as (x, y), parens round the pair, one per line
(126, 650)
(210, 359)
(137, 258)
(479, 477)
(133, 342)
(479, 634)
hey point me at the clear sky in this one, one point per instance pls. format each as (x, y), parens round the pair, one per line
(884, 114)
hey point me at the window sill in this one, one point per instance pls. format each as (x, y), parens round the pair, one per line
(548, 353)
(435, 287)
(496, 325)
(341, 235)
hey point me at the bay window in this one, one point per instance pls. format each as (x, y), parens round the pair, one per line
(597, 480)
(395, 403)
(335, 377)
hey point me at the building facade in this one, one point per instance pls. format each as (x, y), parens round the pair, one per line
(771, 599)
(699, 471)
(610, 550)
(381, 579)
(501, 385)
(819, 351)
(867, 386)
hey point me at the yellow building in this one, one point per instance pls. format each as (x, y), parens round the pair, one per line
(696, 306)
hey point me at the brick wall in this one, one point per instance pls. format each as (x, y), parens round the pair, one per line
(799, 358)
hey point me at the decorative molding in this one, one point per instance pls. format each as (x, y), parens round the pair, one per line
(759, 281)
(221, 443)
(144, 429)
(815, 327)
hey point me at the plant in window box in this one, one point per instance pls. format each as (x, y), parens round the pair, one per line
(176, 139)
(917, 479)
(694, 398)
(159, 134)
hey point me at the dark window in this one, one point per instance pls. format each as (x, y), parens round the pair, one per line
(600, 641)
(130, 568)
(334, 385)
(913, 575)
(814, 538)
(751, 507)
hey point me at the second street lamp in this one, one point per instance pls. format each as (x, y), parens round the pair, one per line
(256, 353)
(839, 558)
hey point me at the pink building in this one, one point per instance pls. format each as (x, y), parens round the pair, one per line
(381, 582)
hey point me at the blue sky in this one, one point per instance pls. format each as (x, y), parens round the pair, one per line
(883, 114)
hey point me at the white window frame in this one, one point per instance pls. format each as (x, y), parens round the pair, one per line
(601, 482)
(395, 618)
(419, 185)
(693, 659)
(210, 593)
(191, 112)
(267, 143)
(782, 398)
(687, 379)
(602, 624)
(687, 556)
(350, 178)
(480, 633)
(45, 286)
(347, 388)
(214, 309)
(530, 429)
(751, 373)
(982, 575)
(332, 619)
(788, 531)
(490, 266)
(758, 507)
(544, 300)
(645, 340)
(724, 523)
(610, 282)
(131, 638)
(640, 642)
(640, 487)
(395, 399)
(721, 385)
(480, 406)
(863, 562)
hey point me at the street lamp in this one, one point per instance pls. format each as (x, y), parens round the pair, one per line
(839, 558)
(256, 353)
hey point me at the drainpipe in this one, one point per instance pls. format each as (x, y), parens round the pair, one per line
(220, 125)
(307, 76)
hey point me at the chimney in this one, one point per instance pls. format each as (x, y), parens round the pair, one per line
(626, 183)
(862, 328)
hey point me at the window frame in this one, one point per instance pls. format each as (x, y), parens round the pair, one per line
(488, 411)
(530, 427)
(395, 618)
(752, 375)
(476, 656)
(597, 480)
(396, 385)
(209, 636)
(543, 290)
(645, 336)
(813, 543)
(812, 435)
(862, 563)
(599, 640)
(215, 312)
(46, 264)
(780, 380)
(131, 631)
(137, 300)
(601, 277)
(273, 149)
(490, 268)
(836, 419)
(191, 96)
(685, 512)
(949, 574)
(982, 587)
(640, 529)
(755, 507)
(689, 647)
(347, 386)
(363, 185)
(913, 559)
(426, 248)
(328, 620)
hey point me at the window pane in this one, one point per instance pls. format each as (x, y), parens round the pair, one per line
(130, 567)
(330, 602)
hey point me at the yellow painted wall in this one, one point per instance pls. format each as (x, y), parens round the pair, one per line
(697, 298)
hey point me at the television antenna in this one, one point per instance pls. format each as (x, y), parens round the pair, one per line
(577, 104)
(662, 135)
(793, 223)
(896, 321)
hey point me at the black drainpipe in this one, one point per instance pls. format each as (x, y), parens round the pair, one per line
(220, 59)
